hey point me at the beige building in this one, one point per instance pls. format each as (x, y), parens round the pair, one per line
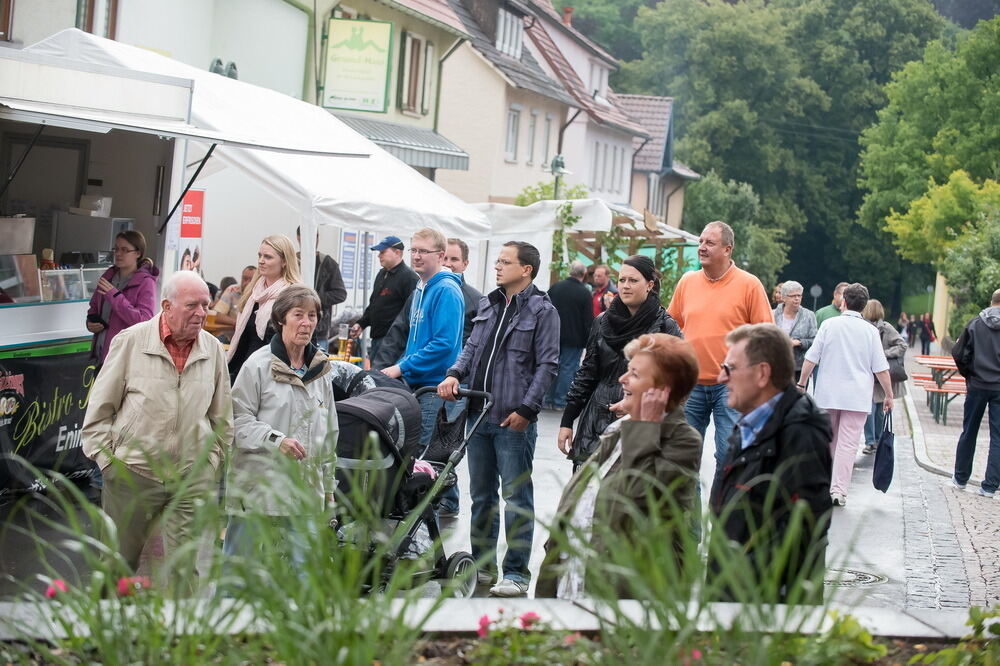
(499, 105)
(658, 181)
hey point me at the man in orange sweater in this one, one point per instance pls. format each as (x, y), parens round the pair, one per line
(707, 305)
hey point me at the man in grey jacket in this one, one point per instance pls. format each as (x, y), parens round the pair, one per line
(977, 357)
(513, 353)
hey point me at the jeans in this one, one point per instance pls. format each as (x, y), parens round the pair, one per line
(874, 424)
(502, 459)
(977, 401)
(430, 403)
(709, 401)
(569, 363)
(925, 346)
(450, 498)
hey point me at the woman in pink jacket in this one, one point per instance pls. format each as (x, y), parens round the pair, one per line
(125, 294)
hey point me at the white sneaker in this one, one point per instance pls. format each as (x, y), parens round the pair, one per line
(987, 493)
(838, 499)
(509, 587)
(954, 482)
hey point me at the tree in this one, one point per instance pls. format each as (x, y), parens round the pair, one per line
(943, 114)
(611, 24)
(758, 249)
(972, 268)
(935, 221)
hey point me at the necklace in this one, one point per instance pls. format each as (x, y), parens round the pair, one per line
(731, 264)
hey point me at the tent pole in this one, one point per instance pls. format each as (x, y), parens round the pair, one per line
(186, 188)
(20, 161)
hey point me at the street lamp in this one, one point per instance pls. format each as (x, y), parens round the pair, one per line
(815, 291)
(558, 169)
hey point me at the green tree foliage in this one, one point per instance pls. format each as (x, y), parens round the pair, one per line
(758, 249)
(938, 219)
(972, 268)
(611, 24)
(943, 114)
(546, 190)
(776, 94)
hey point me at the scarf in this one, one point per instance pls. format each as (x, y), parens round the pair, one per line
(619, 326)
(264, 297)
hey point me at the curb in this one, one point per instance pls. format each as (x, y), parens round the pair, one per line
(919, 441)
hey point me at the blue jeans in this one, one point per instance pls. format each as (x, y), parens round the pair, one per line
(450, 497)
(569, 363)
(710, 401)
(502, 459)
(874, 424)
(430, 403)
(977, 401)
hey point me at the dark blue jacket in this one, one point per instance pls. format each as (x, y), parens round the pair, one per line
(527, 357)
(435, 337)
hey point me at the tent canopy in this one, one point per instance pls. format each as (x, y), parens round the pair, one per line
(378, 193)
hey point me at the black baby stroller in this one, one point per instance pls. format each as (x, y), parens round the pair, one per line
(378, 444)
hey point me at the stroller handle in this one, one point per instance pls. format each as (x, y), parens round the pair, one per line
(486, 396)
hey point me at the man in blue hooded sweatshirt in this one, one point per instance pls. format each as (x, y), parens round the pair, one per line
(436, 320)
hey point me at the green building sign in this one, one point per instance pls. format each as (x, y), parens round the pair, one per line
(357, 65)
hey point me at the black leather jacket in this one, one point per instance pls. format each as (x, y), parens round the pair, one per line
(595, 386)
(756, 489)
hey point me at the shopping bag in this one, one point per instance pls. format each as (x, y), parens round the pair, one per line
(884, 456)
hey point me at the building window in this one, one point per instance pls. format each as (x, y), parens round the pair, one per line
(415, 73)
(547, 139)
(594, 166)
(510, 33)
(532, 124)
(513, 128)
(425, 94)
(616, 184)
(6, 20)
(598, 81)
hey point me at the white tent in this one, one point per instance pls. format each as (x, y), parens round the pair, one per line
(377, 193)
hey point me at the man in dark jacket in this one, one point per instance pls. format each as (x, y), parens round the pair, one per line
(576, 315)
(513, 353)
(771, 495)
(393, 285)
(330, 287)
(977, 357)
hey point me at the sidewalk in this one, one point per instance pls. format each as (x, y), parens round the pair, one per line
(961, 517)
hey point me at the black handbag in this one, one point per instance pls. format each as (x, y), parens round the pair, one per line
(884, 456)
(897, 373)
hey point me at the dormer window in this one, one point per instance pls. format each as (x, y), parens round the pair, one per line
(598, 81)
(510, 33)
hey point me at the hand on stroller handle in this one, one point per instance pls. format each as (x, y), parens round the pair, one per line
(459, 393)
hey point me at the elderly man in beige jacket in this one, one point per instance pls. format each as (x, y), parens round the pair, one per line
(160, 421)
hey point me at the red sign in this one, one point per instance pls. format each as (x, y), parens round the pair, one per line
(191, 211)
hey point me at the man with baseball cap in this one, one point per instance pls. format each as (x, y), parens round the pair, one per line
(393, 285)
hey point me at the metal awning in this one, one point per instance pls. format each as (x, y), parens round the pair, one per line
(416, 146)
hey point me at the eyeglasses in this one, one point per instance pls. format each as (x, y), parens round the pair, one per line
(506, 262)
(422, 252)
(122, 250)
(728, 370)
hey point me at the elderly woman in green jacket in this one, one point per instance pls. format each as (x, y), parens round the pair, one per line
(647, 453)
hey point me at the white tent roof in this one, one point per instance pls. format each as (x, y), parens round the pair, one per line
(377, 193)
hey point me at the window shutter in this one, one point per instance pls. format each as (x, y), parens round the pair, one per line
(429, 67)
(403, 76)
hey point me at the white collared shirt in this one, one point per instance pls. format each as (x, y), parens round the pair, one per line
(849, 352)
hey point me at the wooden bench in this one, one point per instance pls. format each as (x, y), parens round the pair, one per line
(940, 398)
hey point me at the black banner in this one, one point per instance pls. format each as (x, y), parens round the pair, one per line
(43, 399)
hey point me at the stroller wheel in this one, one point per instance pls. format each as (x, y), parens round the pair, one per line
(460, 573)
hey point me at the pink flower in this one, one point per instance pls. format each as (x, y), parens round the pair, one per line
(696, 653)
(528, 619)
(57, 586)
(129, 586)
(484, 626)
(569, 639)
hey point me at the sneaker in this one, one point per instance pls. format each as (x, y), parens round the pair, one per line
(509, 587)
(838, 500)
(954, 482)
(868, 450)
(484, 577)
(987, 493)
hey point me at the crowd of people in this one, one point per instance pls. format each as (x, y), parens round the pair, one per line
(637, 384)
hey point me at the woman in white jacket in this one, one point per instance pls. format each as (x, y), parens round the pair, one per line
(283, 410)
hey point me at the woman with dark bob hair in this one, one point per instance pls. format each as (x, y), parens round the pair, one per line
(647, 453)
(634, 312)
(283, 409)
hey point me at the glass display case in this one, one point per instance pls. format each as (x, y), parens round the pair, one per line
(19, 279)
(22, 282)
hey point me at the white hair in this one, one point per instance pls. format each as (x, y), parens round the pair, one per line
(789, 286)
(173, 284)
(577, 269)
